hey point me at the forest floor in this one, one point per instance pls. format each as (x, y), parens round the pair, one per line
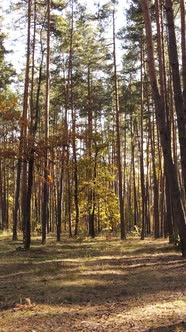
(92, 285)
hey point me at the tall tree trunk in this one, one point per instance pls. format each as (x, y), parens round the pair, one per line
(1, 198)
(60, 199)
(23, 143)
(178, 97)
(183, 47)
(155, 183)
(134, 173)
(119, 165)
(32, 131)
(16, 202)
(75, 166)
(169, 215)
(164, 137)
(4, 196)
(47, 105)
(91, 226)
(142, 177)
(69, 194)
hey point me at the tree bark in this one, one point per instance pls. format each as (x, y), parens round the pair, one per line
(60, 199)
(183, 47)
(178, 97)
(118, 147)
(23, 143)
(47, 105)
(164, 137)
(142, 176)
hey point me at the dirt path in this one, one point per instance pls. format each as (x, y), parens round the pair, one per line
(92, 286)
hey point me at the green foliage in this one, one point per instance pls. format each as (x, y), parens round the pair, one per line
(6, 69)
(9, 123)
(59, 5)
(58, 25)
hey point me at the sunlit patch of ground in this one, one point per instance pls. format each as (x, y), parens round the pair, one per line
(93, 285)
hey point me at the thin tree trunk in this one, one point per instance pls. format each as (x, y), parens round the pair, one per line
(169, 215)
(118, 144)
(69, 196)
(155, 185)
(16, 203)
(59, 200)
(47, 105)
(33, 128)
(142, 177)
(134, 174)
(23, 144)
(1, 198)
(75, 167)
(91, 194)
(22, 147)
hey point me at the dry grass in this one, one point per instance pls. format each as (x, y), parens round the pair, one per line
(92, 285)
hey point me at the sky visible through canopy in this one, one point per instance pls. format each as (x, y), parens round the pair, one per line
(16, 42)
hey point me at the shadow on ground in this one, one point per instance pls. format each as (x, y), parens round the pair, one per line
(170, 328)
(95, 272)
(94, 286)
